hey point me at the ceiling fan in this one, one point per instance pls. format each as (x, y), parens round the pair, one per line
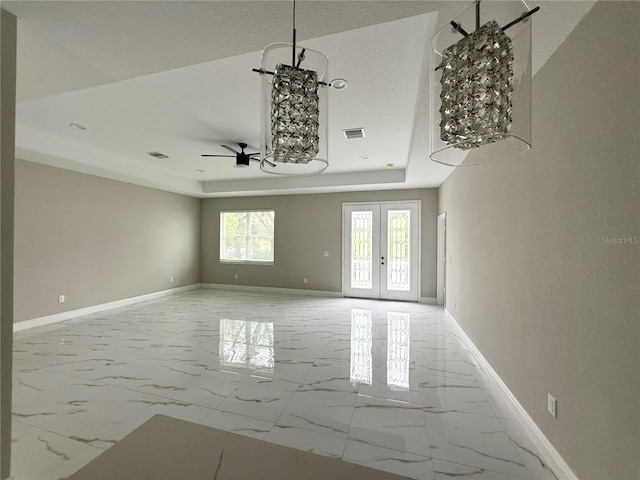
(242, 158)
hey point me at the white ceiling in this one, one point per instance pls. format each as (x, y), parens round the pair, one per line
(175, 77)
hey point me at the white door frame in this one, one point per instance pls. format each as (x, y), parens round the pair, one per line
(416, 276)
(441, 263)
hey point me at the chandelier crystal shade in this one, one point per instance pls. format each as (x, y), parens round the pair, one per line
(294, 115)
(481, 85)
(477, 85)
(294, 112)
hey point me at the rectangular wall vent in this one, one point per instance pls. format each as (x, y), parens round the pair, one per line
(353, 133)
(157, 155)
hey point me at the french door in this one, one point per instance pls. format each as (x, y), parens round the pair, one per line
(381, 250)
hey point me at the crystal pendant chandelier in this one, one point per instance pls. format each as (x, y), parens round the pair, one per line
(481, 85)
(293, 137)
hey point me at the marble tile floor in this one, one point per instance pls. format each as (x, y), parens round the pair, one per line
(379, 383)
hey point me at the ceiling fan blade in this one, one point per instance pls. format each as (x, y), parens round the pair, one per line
(229, 148)
(252, 154)
(226, 156)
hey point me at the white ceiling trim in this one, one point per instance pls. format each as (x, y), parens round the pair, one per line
(362, 179)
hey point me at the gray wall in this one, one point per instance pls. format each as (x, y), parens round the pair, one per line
(96, 240)
(8, 31)
(306, 227)
(552, 306)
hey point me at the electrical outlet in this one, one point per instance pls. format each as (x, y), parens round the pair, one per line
(171, 279)
(326, 254)
(61, 299)
(305, 280)
(235, 276)
(552, 405)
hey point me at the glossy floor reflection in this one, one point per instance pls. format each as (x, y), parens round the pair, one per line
(384, 384)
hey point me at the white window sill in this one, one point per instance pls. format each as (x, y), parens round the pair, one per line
(248, 262)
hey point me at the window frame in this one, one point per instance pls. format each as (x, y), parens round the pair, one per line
(247, 238)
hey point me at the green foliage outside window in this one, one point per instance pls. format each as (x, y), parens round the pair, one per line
(247, 235)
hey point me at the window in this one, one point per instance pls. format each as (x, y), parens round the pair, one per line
(247, 236)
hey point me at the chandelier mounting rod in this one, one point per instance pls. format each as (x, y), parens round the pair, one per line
(293, 50)
(521, 18)
(269, 72)
(458, 27)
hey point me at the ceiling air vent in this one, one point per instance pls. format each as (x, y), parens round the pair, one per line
(157, 155)
(353, 133)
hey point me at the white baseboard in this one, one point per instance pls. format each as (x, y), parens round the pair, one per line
(62, 316)
(548, 452)
(289, 291)
(428, 300)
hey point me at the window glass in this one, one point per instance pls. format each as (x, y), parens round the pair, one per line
(247, 236)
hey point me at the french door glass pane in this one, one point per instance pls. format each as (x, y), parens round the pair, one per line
(398, 270)
(361, 342)
(398, 342)
(361, 247)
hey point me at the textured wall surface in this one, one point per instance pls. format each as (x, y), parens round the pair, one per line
(96, 240)
(306, 227)
(538, 273)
